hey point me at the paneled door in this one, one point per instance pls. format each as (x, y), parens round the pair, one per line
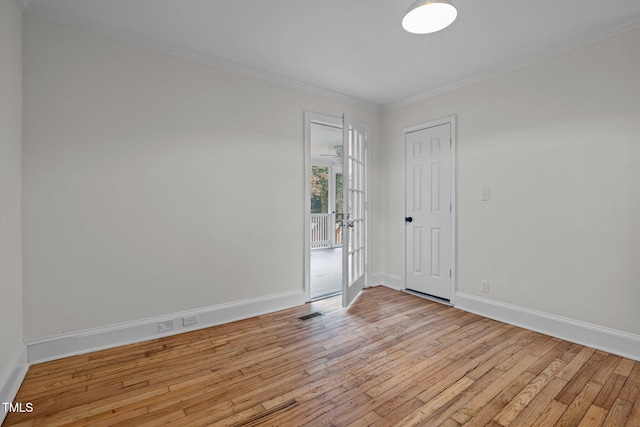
(428, 211)
(355, 219)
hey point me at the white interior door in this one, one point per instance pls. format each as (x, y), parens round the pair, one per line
(429, 211)
(354, 199)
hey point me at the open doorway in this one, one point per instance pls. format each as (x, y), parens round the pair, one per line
(326, 209)
(335, 147)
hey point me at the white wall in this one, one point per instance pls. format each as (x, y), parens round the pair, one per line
(558, 144)
(153, 184)
(10, 223)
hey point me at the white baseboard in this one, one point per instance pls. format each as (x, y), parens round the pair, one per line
(606, 339)
(86, 341)
(11, 379)
(389, 280)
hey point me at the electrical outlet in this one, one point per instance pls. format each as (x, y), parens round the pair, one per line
(190, 320)
(165, 326)
(486, 195)
(485, 286)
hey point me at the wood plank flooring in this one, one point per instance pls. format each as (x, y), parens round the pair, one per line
(391, 359)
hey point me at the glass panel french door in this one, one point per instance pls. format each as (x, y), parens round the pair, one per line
(355, 218)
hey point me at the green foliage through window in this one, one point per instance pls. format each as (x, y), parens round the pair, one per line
(338, 208)
(319, 189)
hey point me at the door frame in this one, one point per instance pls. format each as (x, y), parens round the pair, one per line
(335, 121)
(309, 118)
(451, 120)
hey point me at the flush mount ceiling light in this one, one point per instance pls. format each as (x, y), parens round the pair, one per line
(429, 16)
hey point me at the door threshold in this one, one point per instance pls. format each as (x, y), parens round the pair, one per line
(321, 297)
(429, 297)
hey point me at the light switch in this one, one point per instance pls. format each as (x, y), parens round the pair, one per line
(486, 195)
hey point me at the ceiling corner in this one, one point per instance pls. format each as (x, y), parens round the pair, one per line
(23, 3)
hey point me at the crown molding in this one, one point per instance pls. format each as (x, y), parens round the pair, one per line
(62, 17)
(23, 3)
(35, 8)
(513, 65)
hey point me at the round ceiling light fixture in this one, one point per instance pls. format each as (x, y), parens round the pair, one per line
(429, 16)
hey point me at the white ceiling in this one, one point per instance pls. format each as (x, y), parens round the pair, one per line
(351, 49)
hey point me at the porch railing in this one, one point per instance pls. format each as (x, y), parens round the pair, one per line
(321, 231)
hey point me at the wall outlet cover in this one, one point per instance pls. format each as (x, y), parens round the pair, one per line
(165, 326)
(190, 320)
(485, 286)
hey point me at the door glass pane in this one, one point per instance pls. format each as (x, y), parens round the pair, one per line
(319, 189)
(338, 208)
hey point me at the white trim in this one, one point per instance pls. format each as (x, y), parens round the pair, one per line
(389, 280)
(511, 66)
(610, 340)
(606, 339)
(451, 120)
(368, 202)
(87, 24)
(71, 344)
(11, 379)
(66, 18)
(23, 4)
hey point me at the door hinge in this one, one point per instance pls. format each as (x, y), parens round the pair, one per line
(450, 273)
(450, 207)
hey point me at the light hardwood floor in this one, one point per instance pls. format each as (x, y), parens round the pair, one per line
(390, 359)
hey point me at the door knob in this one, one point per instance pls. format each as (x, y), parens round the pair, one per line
(408, 219)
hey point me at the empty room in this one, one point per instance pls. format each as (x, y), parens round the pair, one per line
(334, 213)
